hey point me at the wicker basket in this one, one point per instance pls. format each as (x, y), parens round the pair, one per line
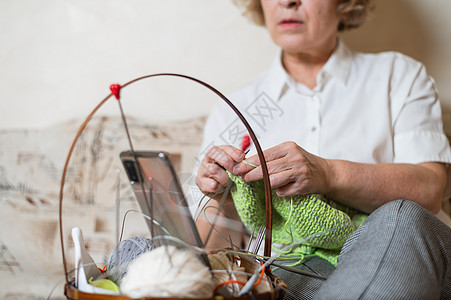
(73, 294)
(276, 287)
(273, 288)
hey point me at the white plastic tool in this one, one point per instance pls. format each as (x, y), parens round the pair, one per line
(85, 267)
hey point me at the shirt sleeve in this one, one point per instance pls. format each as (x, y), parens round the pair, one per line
(417, 124)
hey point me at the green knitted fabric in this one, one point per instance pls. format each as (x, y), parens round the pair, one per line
(311, 224)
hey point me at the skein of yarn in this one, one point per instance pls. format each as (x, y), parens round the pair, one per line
(126, 251)
(168, 272)
(230, 272)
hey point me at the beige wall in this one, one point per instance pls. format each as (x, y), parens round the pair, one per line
(417, 28)
(58, 57)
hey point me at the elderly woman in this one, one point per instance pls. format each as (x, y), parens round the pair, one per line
(362, 129)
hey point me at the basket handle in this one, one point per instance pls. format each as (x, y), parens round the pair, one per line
(268, 197)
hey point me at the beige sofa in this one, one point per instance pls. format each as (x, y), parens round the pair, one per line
(31, 165)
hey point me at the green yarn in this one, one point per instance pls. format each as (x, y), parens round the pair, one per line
(309, 224)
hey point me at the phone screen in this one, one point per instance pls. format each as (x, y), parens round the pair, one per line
(165, 201)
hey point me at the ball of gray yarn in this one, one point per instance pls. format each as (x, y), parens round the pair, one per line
(126, 251)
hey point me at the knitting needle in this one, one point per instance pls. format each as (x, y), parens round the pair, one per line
(301, 272)
(258, 240)
(250, 240)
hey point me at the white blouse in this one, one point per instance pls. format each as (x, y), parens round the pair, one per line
(368, 108)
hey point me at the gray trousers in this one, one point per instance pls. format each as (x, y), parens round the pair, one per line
(400, 252)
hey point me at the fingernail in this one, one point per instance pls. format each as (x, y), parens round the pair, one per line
(236, 170)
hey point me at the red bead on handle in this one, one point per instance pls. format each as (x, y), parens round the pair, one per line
(245, 143)
(116, 89)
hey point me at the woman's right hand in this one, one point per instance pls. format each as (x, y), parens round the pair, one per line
(211, 176)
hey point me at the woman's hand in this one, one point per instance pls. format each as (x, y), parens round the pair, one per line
(211, 176)
(292, 170)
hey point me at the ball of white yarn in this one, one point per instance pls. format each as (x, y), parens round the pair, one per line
(167, 272)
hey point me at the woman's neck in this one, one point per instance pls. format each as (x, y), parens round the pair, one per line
(304, 67)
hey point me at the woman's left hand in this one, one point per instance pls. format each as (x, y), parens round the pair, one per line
(292, 170)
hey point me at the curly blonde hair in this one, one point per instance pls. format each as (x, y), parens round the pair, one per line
(354, 12)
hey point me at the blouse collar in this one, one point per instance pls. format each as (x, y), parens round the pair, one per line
(337, 66)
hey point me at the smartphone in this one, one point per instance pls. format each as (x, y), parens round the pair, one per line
(159, 195)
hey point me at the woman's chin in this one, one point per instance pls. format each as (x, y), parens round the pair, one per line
(292, 43)
(293, 48)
